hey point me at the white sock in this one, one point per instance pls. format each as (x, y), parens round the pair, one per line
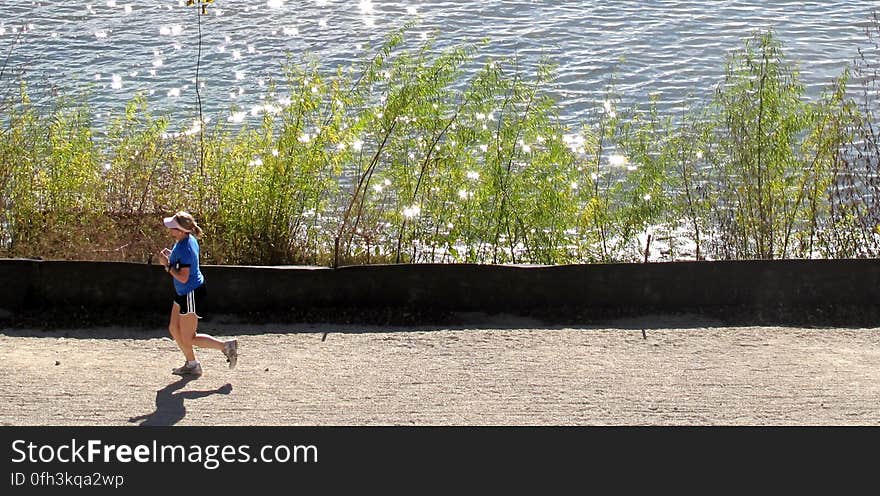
(192, 363)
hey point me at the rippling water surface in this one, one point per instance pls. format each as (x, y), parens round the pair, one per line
(675, 48)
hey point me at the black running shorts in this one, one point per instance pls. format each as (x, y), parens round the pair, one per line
(192, 301)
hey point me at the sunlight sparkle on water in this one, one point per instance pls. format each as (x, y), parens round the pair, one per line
(116, 82)
(275, 4)
(412, 211)
(617, 160)
(575, 143)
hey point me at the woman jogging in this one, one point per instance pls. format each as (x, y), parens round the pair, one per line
(182, 263)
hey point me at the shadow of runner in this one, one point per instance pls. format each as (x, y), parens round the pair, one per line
(169, 405)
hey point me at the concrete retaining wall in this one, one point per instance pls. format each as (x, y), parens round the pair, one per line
(32, 285)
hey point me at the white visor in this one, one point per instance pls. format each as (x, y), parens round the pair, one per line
(171, 223)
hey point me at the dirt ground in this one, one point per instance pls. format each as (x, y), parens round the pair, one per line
(660, 370)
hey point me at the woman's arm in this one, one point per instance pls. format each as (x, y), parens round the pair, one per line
(181, 274)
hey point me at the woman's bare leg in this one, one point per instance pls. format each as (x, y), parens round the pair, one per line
(188, 324)
(174, 327)
(187, 333)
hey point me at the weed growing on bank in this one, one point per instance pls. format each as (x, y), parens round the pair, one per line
(426, 155)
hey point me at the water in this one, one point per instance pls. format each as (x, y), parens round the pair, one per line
(673, 48)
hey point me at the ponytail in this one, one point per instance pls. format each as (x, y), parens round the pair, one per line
(186, 221)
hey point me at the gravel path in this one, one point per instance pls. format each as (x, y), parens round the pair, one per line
(683, 371)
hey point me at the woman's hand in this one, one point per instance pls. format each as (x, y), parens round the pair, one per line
(163, 257)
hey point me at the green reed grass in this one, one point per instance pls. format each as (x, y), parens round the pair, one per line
(406, 159)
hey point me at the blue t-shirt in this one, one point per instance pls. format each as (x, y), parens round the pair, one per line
(185, 253)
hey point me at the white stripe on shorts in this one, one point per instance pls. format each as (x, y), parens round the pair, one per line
(191, 302)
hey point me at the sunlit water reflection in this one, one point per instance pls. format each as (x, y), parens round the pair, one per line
(673, 48)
